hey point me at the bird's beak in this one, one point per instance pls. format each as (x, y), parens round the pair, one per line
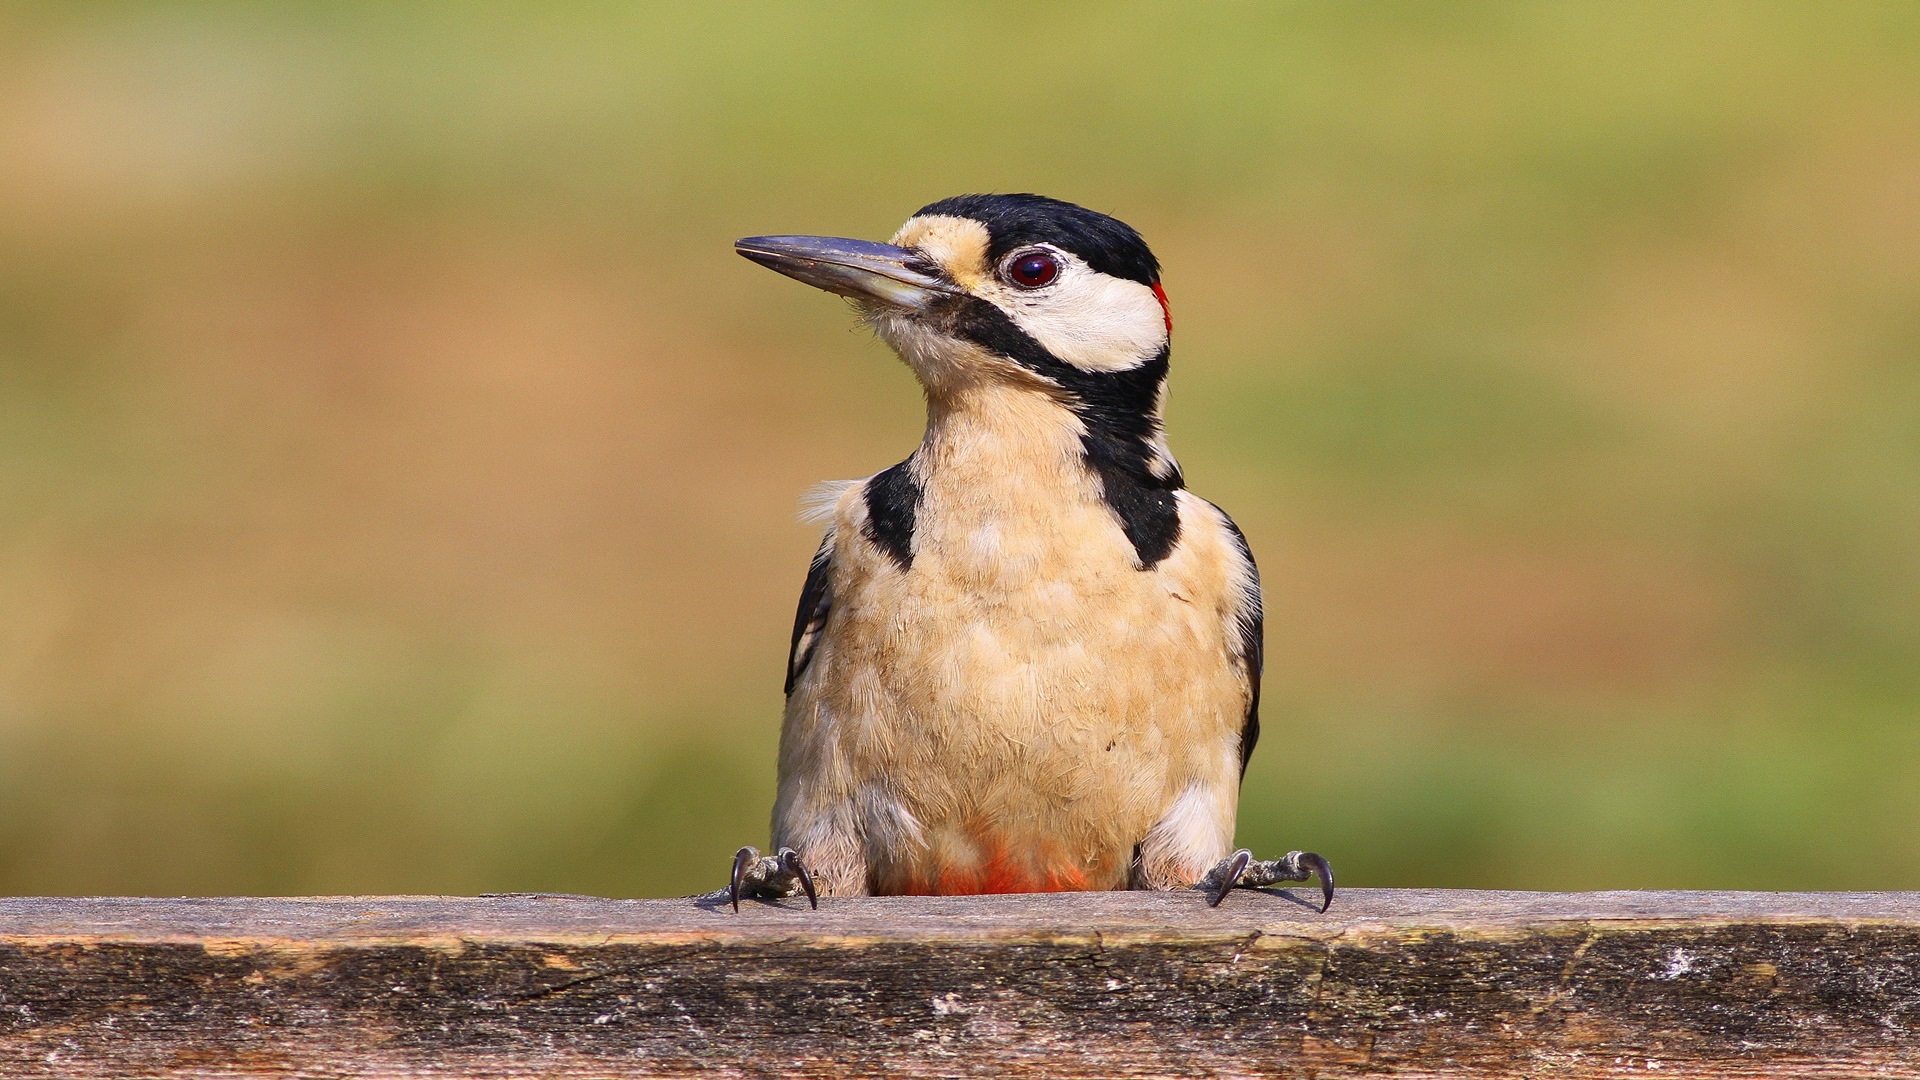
(858, 268)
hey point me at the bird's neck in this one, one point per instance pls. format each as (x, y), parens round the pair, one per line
(992, 434)
(999, 436)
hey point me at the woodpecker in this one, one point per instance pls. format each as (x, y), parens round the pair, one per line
(1026, 658)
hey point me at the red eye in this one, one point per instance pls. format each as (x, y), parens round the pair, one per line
(1033, 271)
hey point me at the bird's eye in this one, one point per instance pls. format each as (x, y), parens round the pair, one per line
(1033, 270)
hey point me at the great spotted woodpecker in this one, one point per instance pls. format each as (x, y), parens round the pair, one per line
(1026, 658)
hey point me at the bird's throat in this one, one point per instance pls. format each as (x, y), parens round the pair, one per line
(1009, 443)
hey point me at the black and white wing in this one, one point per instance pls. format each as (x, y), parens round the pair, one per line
(816, 600)
(1252, 642)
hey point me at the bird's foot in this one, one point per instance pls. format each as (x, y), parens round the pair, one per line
(1241, 870)
(767, 877)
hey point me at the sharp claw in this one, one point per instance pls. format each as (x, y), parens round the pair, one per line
(791, 860)
(741, 860)
(1319, 866)
(1241, 859)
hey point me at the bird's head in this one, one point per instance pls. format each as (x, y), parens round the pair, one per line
(1007, 289)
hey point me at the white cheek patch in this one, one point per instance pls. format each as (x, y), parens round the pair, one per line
(1088, 319)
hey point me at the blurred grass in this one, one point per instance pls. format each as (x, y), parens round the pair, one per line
(397, 468)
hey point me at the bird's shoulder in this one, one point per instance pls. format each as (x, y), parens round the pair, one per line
(883, 508)
(1210, 538)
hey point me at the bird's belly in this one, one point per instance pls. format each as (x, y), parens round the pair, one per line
(1019, 728)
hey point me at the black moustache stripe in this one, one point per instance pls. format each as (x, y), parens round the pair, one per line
(1117, 408)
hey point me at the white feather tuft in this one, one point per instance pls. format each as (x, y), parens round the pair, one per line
(1196, 832)
(820, 502)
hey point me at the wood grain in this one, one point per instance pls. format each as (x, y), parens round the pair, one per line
(1401, 982)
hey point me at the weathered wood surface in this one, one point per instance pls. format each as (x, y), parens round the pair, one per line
(1400, 982)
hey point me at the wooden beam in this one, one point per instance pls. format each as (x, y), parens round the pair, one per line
(1408, 982)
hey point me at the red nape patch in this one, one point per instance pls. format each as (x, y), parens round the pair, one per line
(1166, 310)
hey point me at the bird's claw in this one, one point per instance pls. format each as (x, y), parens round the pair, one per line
(769, 877)
(1242, 870)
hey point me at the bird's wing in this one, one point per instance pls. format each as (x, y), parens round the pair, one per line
(1251, 645)
(816, 600)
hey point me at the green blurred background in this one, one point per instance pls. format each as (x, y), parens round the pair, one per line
(398, 469)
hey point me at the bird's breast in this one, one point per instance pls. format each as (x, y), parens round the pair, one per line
(1016, 706)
